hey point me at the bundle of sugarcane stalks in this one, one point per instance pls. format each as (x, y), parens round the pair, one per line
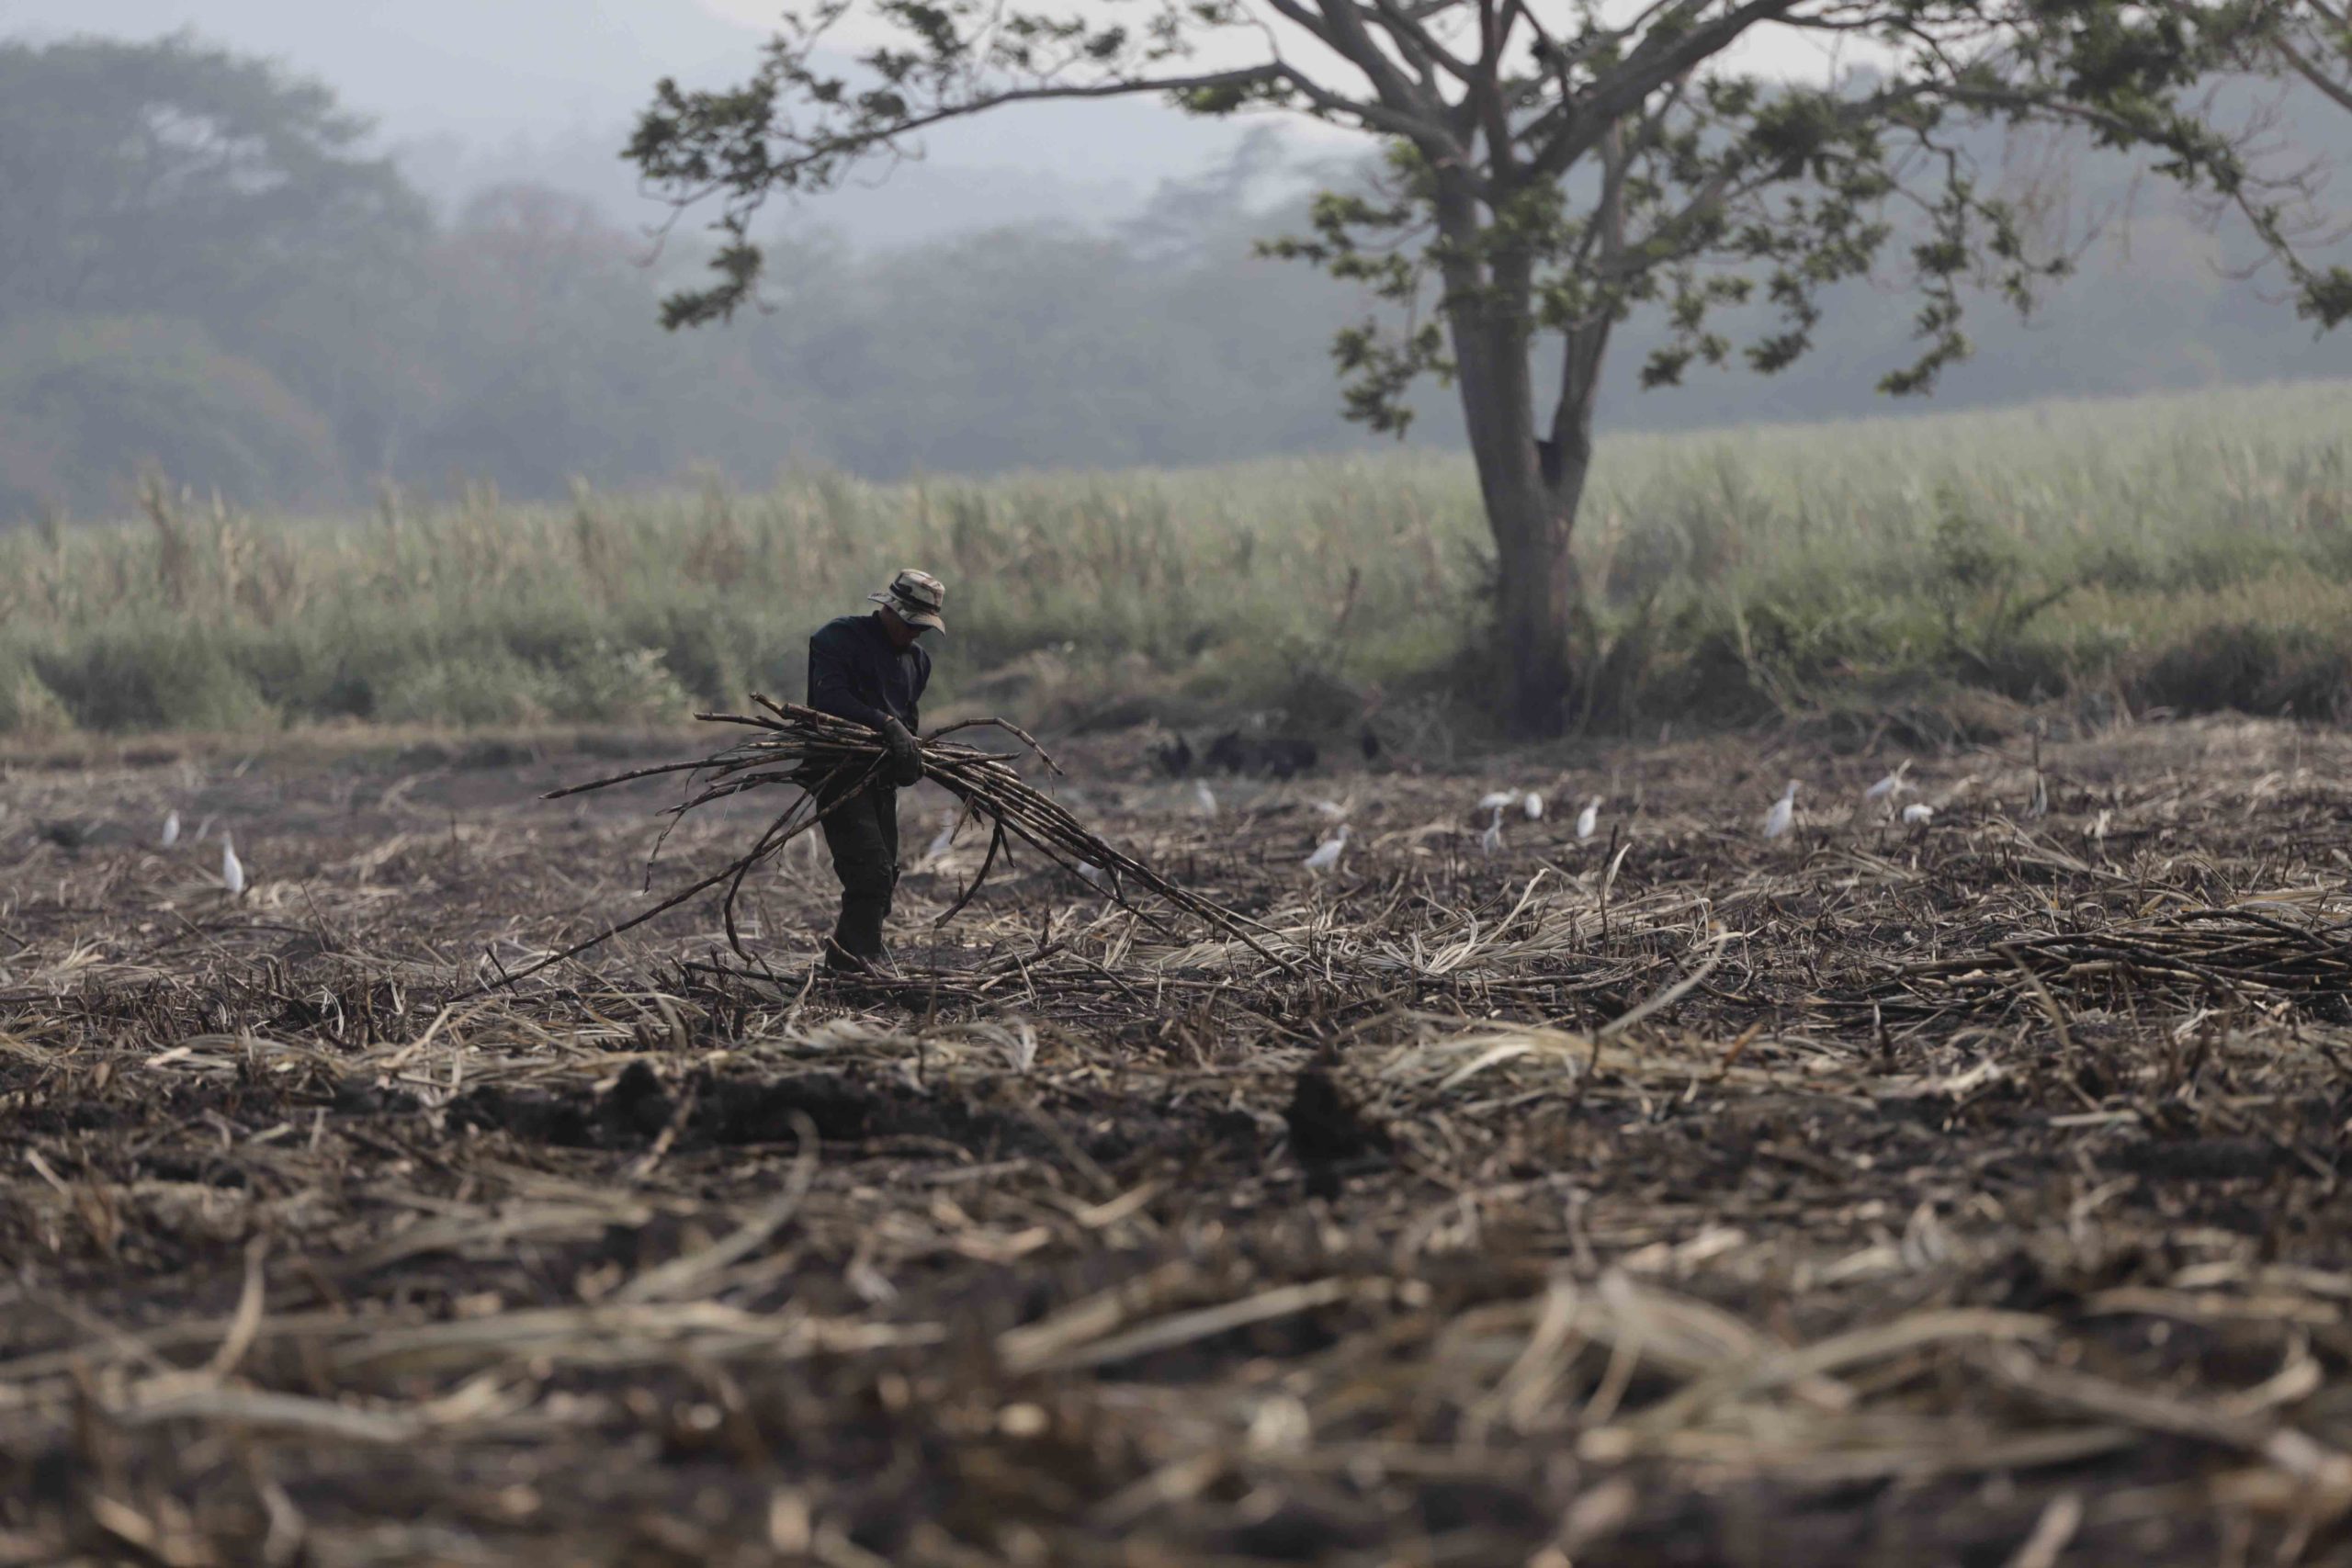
(828, 761)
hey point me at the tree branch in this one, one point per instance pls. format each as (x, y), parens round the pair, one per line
(1662, 55)
(2313, 71)
(1343, 20)
(1421, 46)
(1403, 110)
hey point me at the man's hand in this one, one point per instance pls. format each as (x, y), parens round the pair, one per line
(906, 755)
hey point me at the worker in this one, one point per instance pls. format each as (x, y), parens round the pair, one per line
(872, 669)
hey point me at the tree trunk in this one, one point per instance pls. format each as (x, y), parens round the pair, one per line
(1533, 519)
(1530, 490)
(1531, 487)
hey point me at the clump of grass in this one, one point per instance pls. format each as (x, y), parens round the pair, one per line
(2191, 551)
(27, 708)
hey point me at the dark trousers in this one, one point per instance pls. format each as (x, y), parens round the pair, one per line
(864, 835)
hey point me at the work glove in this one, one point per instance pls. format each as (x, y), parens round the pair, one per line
(906, 755)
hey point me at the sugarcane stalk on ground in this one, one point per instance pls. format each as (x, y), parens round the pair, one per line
(796, 745)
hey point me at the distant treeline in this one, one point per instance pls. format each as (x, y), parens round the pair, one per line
(206, 271)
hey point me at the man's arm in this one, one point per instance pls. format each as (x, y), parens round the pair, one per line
(831, 688)
(922, 680)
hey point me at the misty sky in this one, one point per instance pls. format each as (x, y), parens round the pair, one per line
(476, 91)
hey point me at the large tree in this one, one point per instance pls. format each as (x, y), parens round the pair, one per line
(188, 241)
(1550, 166)
(173, 177)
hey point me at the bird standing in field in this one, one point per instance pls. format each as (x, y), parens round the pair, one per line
(1890, 787)
(1493, 803)
(1532, 806)
(1327, 854)
(1204, 797)
(1589, 819)
(171, 830)
(1919, 811)
(1783, 815)
(232, 869)
(943, 839)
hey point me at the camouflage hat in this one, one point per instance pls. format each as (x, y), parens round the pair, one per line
(918, 598)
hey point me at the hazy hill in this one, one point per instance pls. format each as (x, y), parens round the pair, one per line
(967, 318)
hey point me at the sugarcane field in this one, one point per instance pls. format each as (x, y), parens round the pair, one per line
(1567, 1171)
(1212, 784)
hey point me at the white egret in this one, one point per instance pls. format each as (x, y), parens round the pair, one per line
(1783, 815)
(1204, 797)
(1891, 785)
(1499, 800)
(1533, 806)
(1491, 841)
(1327, 854)
(945, 837)
(1589, 819)
(171, 830)
(1919, 811)
(232, 869)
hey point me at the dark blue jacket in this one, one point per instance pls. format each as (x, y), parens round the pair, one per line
(855, 673)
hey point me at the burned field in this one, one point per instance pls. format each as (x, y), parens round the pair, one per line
(1965, 1191)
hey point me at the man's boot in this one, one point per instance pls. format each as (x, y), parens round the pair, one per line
(856, 947)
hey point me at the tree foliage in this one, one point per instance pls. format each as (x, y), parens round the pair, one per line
(1572, 167)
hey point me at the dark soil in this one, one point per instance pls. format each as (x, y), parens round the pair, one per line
(1964, 1185)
